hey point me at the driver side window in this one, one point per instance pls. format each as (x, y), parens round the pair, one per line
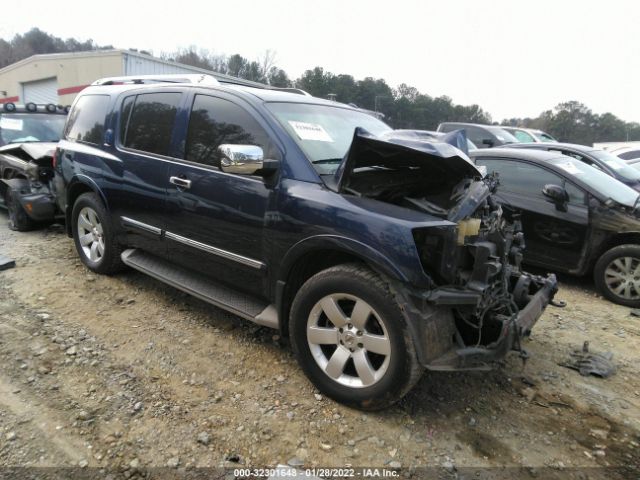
(215, 121)
(527, 179)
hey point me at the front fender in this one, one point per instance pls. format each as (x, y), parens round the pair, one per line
(372, 257)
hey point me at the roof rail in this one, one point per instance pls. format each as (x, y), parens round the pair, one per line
(299, 91)
(169, 78)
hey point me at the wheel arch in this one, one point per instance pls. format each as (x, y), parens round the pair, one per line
(79, 185)
(315, 254)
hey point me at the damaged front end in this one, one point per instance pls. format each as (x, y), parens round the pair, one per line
(27, 173)
(480, 303)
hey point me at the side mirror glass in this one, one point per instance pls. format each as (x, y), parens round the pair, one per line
(488, 142)
(557, 195)
(240, 159)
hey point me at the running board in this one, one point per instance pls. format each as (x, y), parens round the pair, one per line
(250, 308)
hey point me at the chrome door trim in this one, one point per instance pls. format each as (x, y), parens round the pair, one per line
(250, 262)
(142, 226)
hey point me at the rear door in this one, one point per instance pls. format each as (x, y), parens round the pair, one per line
(215, 220)
(553, 238)
(139, 182)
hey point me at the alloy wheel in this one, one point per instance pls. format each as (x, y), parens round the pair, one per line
(90, 234)
(348, 340)
(622, 277)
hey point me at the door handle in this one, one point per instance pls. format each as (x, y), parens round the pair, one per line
(180, 182)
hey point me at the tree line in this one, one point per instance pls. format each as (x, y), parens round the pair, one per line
(403, 106)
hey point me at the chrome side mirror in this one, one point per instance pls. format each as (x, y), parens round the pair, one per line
(241, 159)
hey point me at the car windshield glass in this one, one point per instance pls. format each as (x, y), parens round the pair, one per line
(600, 182)
(502, 135)
(544, 137)
(522, 136)
(323, 132)
(619, 166)
(30, 127)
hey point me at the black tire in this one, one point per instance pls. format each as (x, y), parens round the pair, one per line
(18, 218)
(109, 261)
(402, 370)
(601, 275)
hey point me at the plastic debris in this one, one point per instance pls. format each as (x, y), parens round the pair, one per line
(589, 363)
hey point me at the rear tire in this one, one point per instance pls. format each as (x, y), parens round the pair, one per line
(351, 339)
(617, 275)
(94, 235)
(18, 219)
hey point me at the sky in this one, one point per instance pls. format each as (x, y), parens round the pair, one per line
(514, 59)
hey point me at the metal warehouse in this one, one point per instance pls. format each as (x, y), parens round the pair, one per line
(58, 77)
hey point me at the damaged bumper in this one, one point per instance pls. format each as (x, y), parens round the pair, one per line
(38, 203)
(440, 344)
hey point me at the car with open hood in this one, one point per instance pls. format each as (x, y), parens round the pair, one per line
(28, 138)
(377, 257)
(576, 218)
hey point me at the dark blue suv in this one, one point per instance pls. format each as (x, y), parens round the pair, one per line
(377, 257)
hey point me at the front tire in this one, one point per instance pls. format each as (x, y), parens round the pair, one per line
(94, 235)
(351, 339)
(18, 219)
(617, 275)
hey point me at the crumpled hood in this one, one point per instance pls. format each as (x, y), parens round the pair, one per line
(35, 150)
(367, 150)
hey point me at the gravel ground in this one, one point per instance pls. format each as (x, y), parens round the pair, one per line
(125, 372)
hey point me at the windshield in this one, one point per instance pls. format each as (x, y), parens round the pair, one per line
(522, 136)
(620, 167)
(323, 132)
(544, 137)
(502, 135)
(30, 127)
(599, 181)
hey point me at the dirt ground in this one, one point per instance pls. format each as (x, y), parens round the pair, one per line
(125, 372)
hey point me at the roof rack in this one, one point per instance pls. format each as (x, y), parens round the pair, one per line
(146, 79)
(299, 91)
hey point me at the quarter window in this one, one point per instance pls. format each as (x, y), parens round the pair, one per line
(215, 121)
(150, 123)
(86, 121)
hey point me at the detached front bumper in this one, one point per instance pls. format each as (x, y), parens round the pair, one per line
(437, 329)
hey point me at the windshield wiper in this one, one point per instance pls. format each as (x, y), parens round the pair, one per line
(327, 160)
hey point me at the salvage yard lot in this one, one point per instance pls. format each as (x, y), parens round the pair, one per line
(125, 371)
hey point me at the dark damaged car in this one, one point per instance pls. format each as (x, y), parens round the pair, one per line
(28, 139)
(576, 218)
(377, 258)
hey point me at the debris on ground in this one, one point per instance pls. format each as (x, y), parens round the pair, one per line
(589, 363)
(6, 263)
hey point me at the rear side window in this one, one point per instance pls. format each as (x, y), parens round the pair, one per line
(150, 122)
(215, 121)
(86, 120)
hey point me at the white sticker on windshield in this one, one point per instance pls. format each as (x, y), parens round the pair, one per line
(571, 168)
(11, 123)
(310, 131)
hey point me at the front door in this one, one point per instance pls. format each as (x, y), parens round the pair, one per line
(215, 220)
(553, 238)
